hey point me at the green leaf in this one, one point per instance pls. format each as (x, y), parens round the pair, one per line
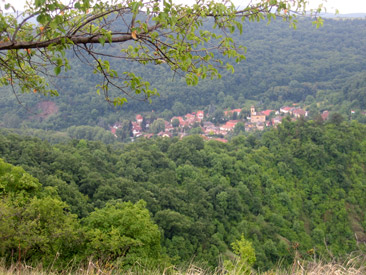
(101, 40)
(57, 70)
(135, 7)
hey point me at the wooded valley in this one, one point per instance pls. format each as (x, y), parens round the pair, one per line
(77, 185)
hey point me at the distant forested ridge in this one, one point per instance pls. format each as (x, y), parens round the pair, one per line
(322, 69)
(299, 189)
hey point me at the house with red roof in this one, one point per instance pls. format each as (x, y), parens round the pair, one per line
(212, 131)
(229, 125)
(267, 112)
(190, 119)
(325, 115)
(190, 116)
(165, 134)
(286, 110)
(277, 120)
(113, 131)
(299, 113)
(200, 115)
(136, 129)
(168, 126)
(139, 119)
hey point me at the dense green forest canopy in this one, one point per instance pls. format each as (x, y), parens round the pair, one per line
(297, 191)
(323, 69)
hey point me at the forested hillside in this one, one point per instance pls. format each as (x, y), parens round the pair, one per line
(256, 167)
(322, 69)
(297, 191)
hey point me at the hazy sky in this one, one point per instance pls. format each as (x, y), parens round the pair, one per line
(344, 6)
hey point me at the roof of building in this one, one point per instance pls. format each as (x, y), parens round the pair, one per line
(230, 124)
(267, 112)
(299, 112)
(325, 115)
(164, 134)
(286, 108)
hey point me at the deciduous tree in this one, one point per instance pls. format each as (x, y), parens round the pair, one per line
(123, 231)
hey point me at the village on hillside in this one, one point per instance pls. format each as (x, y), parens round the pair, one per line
(182, 125)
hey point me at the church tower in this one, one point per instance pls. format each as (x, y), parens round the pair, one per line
(252, 110)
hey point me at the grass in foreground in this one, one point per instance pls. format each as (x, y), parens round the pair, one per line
(353, 266)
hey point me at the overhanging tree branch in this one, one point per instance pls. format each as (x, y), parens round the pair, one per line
(154, 32)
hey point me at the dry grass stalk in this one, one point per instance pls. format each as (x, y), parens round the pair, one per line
(355, 265)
